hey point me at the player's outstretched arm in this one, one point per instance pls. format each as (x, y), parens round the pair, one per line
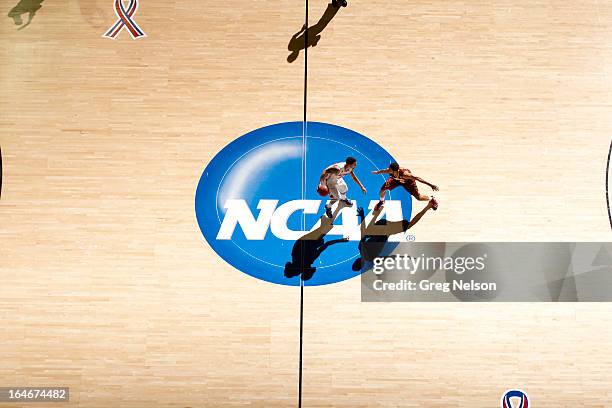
(383, 171)
(354, 176)
(433, 186)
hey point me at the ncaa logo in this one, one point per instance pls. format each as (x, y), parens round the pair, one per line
(258, 207)
(520, 396)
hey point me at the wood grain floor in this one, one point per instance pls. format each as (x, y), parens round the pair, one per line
(109, 288)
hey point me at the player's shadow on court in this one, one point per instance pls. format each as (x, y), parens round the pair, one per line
(29, 7)
(309, 247)
(299, 41)
(375, 235)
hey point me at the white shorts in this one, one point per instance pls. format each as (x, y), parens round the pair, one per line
(337, 189)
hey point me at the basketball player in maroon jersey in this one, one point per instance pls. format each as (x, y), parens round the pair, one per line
(399, 176)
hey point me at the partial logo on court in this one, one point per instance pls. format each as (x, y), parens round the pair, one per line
(258, 207)
(517, 396)
(125, 20)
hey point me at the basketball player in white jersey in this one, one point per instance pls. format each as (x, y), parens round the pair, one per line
(333, 178)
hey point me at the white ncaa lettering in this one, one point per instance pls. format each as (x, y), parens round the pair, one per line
(281, 216)
(275, 219)
(238, 212)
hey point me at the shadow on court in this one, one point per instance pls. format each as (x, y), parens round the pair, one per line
(375, 235)
(308, 248)
(298, 42)
(29, 7)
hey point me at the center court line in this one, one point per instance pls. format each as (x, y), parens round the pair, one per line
(304, 125)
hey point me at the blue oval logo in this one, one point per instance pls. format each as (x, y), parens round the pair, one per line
(258, 205)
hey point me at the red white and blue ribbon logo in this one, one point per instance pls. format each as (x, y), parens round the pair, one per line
(125, 20)
(522, 397)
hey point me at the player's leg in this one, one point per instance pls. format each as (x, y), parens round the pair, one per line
(342, 190)
(16, 13)
(328, 207)
(333, 197)
(389, 185)
(414, 190)
(381, 198)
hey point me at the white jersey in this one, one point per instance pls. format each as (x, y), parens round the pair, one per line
(342, 171)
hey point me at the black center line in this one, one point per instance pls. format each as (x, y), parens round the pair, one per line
(304, 125)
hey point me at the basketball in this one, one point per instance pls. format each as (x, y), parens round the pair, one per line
(323, 190)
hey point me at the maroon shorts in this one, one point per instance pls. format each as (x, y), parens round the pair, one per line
(409, 185)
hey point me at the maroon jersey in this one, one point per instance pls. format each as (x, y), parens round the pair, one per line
(401, 179)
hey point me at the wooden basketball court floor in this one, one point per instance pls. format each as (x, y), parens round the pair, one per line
(109, 288)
